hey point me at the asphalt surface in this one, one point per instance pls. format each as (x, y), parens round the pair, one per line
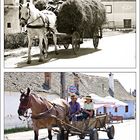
(123, 131)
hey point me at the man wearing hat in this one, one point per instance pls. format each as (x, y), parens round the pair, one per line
(74, 107)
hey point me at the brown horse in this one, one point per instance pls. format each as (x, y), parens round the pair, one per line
(42, 111)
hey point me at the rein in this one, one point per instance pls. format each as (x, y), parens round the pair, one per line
(35, 26)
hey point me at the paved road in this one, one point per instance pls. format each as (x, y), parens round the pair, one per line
(123, 131)
(113, 52)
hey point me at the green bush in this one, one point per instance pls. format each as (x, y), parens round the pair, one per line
(13, 41)
(14, 130)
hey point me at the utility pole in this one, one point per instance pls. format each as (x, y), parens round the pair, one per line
(76, 83)
(47, 81)
(111, 84)
(62, 82)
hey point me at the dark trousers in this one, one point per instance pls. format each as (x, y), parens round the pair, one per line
(82, 116)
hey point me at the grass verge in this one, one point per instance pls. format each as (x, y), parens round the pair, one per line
(14, 130)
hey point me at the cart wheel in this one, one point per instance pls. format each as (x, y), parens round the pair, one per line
(75, 42)
(62, 135)
(93, 134)
(81, 136)
(95, 39)
(66, 46)
(110, 132)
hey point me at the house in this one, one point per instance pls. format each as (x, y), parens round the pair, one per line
(120, 13)
(119, 93)
(11, 16)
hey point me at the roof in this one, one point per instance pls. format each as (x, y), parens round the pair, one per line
(99, 86)
(89, 84)
(117, 0)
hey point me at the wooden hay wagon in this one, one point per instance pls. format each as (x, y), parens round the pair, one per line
(75, 39)
(78, 19)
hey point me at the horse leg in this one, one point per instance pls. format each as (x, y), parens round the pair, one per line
(45, 47)
(29, 50)
(35, 135)
(41, 49)
(67, 135)
(49, 134)
(55, 43)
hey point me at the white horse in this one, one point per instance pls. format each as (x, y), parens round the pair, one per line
(39, 24)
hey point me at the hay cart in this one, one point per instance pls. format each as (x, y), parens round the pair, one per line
(89, 127)
(75, 39)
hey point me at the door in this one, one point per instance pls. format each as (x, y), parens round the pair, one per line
(127, 23)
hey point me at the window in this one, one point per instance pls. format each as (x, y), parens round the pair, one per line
(116, 109)
(108, 9)
(126, 108)
(8, 25)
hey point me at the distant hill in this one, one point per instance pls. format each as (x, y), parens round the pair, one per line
(14, 81)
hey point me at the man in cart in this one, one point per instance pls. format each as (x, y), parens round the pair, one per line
(74, 107)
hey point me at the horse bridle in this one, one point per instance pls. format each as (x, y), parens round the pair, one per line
(26, 107)
(26, 20)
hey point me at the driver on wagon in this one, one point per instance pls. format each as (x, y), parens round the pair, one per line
(74, 107)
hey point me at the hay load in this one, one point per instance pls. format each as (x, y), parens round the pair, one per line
(81, 15)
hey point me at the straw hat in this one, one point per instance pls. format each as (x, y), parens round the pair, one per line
(73, 96)
(88, 98)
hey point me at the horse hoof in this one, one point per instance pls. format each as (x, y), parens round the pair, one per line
(40, 60)
(45, 56)
(29, 62)
(56, 53)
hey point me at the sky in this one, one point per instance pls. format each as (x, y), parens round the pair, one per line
(127, 79)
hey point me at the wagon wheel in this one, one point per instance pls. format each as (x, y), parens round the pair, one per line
(111, 132)
(96, 38)
(66, 46)
(75, 42)
(82, 136)
(63, 135)
(93, 134)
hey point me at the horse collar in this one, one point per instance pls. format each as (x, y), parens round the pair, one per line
(43, 114)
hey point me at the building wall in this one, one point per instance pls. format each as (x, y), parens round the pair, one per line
(11, 2)
(131, 110)
(11, 16)
(120, 10)
(121, 110)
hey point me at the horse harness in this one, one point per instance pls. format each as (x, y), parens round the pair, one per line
(53, 110)
(46, 23)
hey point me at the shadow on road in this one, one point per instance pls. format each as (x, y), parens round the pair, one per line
(63, 54)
